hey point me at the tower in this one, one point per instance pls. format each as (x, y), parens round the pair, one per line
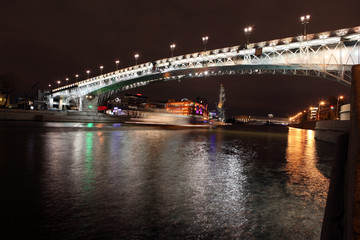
(220, 105)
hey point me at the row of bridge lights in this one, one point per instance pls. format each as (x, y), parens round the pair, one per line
(247, 31)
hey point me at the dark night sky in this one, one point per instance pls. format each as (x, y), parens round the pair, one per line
(46, 40)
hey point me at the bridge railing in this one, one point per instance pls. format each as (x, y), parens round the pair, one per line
(278, 51)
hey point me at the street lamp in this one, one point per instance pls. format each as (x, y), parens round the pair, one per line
(77, 76)
(117, 64)
(337, 106)
(49, 85)
(101, 68)
(205, 40)
(305, 20)
(247, 32)
(172, 47)
(58, 83)
(320, 104)
(87, 72)
(136, 56)
(67, 80)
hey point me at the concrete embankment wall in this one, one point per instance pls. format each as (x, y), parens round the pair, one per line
(304, 125)
(342, 214)
(54, 116)
(329, 130)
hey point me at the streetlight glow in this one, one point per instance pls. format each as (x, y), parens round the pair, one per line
(76, 76)
(338, 106)
(205, 40)
(87, 72)
(136, 56)
(117, 64)
(172, 47)
(101, 68)
(320, 104)
(304, 21)
(247, 32)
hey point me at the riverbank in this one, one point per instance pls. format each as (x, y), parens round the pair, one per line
(326, 130)
(61, 116)
(304, 125)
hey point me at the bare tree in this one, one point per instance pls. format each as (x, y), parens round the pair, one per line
(8, 84)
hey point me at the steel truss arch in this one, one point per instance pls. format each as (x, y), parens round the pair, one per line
(328, 55)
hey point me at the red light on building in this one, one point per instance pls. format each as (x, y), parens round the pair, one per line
(102, 108)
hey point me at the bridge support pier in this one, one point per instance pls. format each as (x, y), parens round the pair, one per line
(87, 103)
(352, 190)
(50, 103)
(60, 104)
(342, 212)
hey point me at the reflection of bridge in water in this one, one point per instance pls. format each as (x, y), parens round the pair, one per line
(328, 54)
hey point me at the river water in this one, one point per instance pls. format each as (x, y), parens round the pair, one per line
(104, 181)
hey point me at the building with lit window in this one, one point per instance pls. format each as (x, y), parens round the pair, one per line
(135, 101)
(312, 113)
(188, 107)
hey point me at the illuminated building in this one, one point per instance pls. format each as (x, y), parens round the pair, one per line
(135, 101)
(188, 107)
(312, 113)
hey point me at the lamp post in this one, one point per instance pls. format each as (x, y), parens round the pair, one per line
(172, 47)
(67, 81)
(76, 77)
(87, 72)
(247, 32)
(49, 85)
(337, 107)
(117, 64)
(58, 83)
(205, 40)
(320, 104)
(304, 21)
(136, 56)
(101, 68)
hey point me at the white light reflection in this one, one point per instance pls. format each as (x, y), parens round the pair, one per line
(217, 181)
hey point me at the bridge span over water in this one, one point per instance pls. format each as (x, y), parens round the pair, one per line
(329, 55)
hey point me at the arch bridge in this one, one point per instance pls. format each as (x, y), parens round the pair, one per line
(329, 54)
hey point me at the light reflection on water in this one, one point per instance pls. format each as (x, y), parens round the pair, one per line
(127, 182)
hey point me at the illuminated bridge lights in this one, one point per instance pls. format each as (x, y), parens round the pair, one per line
(320, 55)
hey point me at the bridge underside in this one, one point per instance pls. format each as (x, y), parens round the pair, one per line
(113, 86)
(217, 71)
(328, 55)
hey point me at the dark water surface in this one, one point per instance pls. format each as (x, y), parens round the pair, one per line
(97, 181)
